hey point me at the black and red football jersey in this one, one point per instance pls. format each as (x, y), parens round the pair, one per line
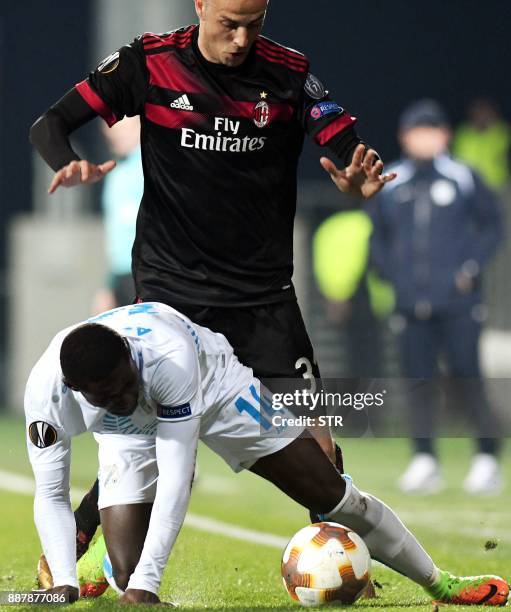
(220, 150)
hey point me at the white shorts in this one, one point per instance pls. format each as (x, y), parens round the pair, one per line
(235, 427)
(127, 470)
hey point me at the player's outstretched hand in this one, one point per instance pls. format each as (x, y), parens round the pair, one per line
(137, 596)
(80, 172)
(363, 177)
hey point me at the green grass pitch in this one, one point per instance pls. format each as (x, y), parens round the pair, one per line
(211, 571)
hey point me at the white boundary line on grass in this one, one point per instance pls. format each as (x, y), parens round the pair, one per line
(24, 485)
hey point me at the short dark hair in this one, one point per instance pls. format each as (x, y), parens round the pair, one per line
(423, 113)
(90, 353)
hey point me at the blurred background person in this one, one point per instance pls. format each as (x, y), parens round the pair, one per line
(435, 228)
(484, 142)
(121, 195)
(355, 299)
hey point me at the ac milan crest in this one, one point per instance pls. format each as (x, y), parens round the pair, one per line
(262, 114)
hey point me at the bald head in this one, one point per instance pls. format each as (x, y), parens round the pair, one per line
(237, 5)
(228, 28)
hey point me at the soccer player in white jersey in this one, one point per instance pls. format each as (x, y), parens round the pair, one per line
(149, 384)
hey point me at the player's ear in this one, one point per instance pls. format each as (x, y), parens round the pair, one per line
(200, 8)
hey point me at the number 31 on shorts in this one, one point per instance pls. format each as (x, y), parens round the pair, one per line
(308, 374)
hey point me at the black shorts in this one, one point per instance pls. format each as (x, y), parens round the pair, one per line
(123, 289)
(269, 338)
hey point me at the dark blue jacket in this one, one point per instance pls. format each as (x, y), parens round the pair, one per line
(435, 219)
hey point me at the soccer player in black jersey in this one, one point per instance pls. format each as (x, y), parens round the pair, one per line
(224, 112)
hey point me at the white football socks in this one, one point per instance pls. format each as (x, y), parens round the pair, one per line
(387, 539)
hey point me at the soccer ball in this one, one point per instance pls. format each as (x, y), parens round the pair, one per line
(325, 562)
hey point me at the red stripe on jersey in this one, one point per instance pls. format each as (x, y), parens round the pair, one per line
(167, 46)
(179, 43)
(274, 48)
(95, 102)
(292, 62)
(178, 39)
(296, 59)
(270, 55)
(277, 45)
(150, 37)
(283, 61)
(165, 71)
(332, 129)
(174, 118)
(170, 117)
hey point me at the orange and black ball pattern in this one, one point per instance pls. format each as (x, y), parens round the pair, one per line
(325, 562)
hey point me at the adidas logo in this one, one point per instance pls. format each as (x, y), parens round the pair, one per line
(182, 103)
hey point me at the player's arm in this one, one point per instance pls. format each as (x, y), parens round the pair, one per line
(333, 127)
(176, 447)
(175, 387)
(50, 136)
(56, 526)
(50, 451)
(115, 89)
